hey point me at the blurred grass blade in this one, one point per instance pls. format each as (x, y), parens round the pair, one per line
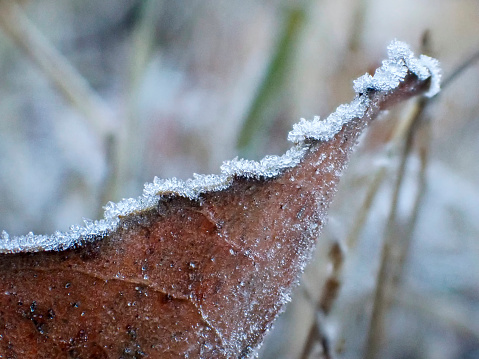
(71, 84)
(267, 103)
(126, 159)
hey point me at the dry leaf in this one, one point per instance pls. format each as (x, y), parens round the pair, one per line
(192, 271)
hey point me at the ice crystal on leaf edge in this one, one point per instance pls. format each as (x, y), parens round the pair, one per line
(386, 78)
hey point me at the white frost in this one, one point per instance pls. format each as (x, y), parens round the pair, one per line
(386, 78)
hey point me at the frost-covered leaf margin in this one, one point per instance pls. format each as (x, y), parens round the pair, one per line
(387, 78)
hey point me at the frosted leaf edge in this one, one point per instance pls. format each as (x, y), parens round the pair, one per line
(392, 72)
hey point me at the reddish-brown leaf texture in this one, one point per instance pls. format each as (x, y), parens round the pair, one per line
(200, 278)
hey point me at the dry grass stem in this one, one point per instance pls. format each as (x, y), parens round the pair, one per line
(395, 248)
(365, 208)
(328, 295)
(56, 67)
(471, 60)
(443, 309)
(398, 237)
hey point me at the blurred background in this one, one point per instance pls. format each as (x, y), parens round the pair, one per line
(98, 97)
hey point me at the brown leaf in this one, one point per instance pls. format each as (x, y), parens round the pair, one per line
(191, 278)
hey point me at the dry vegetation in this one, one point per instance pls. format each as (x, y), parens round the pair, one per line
(145, 88)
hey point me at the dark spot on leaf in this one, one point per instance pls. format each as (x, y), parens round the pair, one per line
(131, 331)
(166, 298)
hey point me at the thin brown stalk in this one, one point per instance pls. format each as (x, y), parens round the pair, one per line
(365, 208)
(329, 293)
(332, 285)
(423, 143)
(398, 135)
(393, 253)
(396, 248)
(461, 68)
(317, 337)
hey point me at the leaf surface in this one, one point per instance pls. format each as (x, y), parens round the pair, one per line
(190, 276)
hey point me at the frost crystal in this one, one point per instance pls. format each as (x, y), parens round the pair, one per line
(386, 78)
